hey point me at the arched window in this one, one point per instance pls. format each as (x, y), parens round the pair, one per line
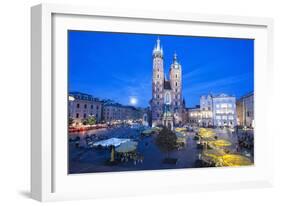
(176, 84)
(168, 98)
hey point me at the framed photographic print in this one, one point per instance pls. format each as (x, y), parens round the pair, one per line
(136, 102)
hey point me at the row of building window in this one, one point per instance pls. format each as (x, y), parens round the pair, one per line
(176, 103)
(225, 117)
(158, 76)
(157, 89)
(224, 111)
(160, 96)
(224, 105)
(85, 115)
(85, 106)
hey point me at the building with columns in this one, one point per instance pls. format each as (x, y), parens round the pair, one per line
(167, 104)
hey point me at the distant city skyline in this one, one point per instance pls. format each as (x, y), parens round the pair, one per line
(119, 66)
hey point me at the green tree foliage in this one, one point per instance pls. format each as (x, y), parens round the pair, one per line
(166, 140)
(70, 121)
(89, 121)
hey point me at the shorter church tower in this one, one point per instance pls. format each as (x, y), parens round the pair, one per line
(176, 85)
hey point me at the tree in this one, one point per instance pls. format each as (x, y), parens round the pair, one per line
(70, 121)
(166, 140)
(91, 120)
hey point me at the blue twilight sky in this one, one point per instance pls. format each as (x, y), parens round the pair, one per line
(119, 66)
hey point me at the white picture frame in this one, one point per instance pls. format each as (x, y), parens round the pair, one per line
(49, 179)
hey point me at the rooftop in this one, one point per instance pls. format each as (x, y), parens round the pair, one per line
(83, 96)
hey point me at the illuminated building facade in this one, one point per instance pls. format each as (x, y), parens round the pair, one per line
(167, 104)
(215, 111)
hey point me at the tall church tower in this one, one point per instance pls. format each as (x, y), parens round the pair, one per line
(157, 84)
(176, 85)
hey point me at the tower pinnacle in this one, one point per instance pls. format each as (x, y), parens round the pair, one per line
(158, 50)
(175, 58)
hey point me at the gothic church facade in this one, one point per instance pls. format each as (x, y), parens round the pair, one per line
(167, 104)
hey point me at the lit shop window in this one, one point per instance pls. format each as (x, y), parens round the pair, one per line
(217, 106)
(230, 118)
(218, 117)
(230, 105)
(224, 117)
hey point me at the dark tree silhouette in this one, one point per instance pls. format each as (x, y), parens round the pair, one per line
(166, 140)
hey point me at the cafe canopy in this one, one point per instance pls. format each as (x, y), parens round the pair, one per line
(125, 147)
(220, 143)
(110, 142)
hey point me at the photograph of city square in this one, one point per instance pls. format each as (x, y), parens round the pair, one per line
(150, 102)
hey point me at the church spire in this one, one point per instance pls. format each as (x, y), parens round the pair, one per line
(158, 44)
(158, 49)
(175, 58)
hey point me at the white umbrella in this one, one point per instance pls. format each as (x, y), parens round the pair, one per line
(110, 142)
(127, 147)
